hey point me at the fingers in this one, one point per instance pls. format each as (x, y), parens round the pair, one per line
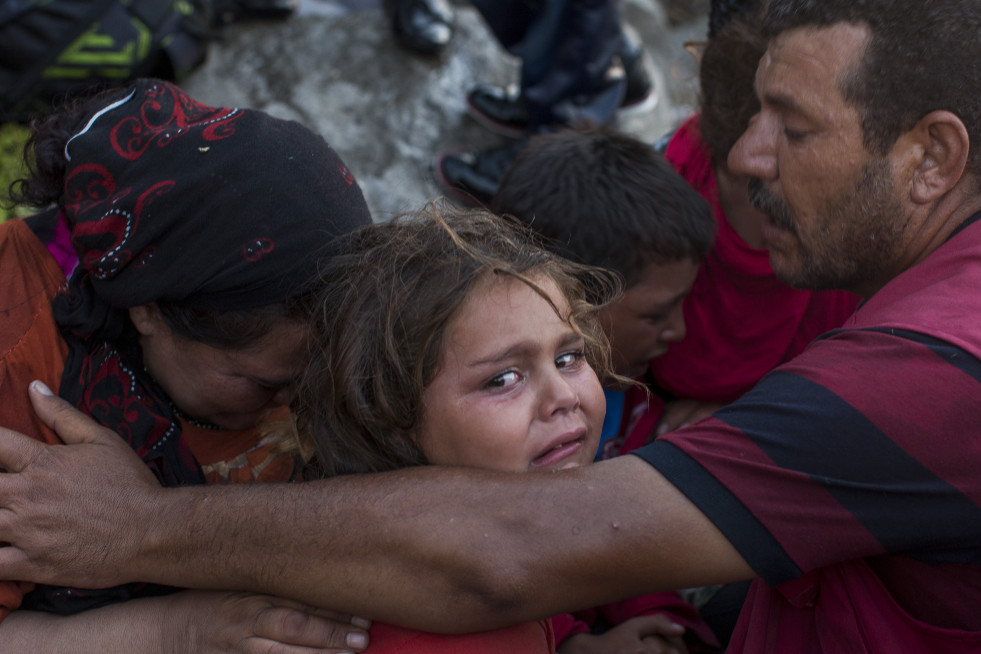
(71, 425)
(337, 616)
(17, 450)
(659, 645)
(13, 562)
(300, 628)
(657, 624)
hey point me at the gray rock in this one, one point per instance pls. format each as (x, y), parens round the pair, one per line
(335, 67)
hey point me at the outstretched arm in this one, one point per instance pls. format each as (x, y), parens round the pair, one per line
(433, 548)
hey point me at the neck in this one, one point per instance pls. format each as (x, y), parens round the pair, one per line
(928, 229)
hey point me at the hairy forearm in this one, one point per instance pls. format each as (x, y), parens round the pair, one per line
(431, 548)
(389, 547)
(123, 628)
(439, 549)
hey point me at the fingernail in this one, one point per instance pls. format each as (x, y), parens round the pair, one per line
(358, 621)
(39, 386)
(358, 641)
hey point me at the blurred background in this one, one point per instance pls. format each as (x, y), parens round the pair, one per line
(335, 66)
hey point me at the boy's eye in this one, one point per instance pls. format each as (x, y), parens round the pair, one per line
(503, 380)
(569, 359)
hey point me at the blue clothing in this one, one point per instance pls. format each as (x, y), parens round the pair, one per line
(614, 416)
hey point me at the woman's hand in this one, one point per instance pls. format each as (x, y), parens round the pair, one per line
(191, 621)
(218, 621)
(645, 634)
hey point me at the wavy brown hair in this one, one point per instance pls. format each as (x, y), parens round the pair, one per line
(385, 309)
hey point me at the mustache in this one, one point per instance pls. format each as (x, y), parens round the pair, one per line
(768, 202)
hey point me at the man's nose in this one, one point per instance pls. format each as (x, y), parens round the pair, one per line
(754, 154)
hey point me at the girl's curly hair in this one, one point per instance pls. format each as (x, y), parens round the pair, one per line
(384, 313)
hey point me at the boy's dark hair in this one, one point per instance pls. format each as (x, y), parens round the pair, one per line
(921, 56)
(727, 75)
(607, 200)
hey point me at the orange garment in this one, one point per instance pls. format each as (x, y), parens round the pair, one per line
(31, 348)
(237, 457)
(30, 344)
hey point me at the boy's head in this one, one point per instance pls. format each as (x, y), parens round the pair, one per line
(727, 74)
(436, 311)
(608, 200)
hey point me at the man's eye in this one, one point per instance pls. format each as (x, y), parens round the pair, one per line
(794, 135)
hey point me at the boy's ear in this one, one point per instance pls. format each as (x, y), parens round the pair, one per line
(941, 147)
(146, 318)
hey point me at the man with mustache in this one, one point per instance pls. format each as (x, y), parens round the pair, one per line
(846, 482)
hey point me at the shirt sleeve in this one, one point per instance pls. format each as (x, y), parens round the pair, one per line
(846, 452)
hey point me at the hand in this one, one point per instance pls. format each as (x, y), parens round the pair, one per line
(75, 514)
(189, 621)
(681, 413)
(216, 621)
(645, 634)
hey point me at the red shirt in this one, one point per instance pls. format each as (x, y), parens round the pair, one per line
(741, 320)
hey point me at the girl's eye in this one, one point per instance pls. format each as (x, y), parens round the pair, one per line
(570, 359)
(504, 380)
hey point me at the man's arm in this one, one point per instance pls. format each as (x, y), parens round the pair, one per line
(189, 621)
(433, 548)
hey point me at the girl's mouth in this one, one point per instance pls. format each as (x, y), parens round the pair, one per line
(558, 453)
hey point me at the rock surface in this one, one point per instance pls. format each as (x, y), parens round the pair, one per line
(335, 67)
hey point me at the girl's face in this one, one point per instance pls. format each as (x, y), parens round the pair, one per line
(514, 391)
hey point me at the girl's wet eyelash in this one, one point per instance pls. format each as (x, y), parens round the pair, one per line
(496, 381)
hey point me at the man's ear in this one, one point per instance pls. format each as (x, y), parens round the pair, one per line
(943, 145)
(146, 318)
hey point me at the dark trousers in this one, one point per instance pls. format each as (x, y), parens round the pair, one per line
(567, 50)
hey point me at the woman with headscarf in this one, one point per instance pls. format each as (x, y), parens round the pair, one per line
(196, 231)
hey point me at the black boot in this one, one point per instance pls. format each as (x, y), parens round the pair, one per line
(473, 177)
(501, 109)
(421, 25)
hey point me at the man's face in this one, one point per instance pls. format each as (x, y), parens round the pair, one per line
(834, 219)
(648, 316)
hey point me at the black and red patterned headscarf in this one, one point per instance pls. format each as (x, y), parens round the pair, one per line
(172, 200)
